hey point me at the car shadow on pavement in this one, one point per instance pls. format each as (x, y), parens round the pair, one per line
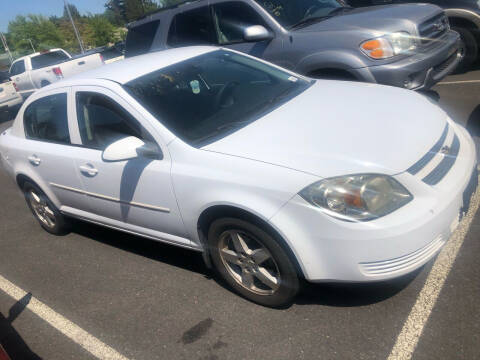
(353, 294)
(328, 294)
(11, 341)
(155, 250)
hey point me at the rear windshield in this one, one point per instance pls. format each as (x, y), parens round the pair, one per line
(48, 59)
(4, 77)
(210, 96)
(140, 38)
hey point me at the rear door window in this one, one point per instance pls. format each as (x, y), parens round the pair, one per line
(48, 59)
(194, 27)
(18, 68)
(46, 119)
(140, 38)
(4, 77)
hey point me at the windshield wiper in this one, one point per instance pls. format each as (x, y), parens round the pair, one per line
(239, 124)
(311, 19)
(233, 124)
(339, 10)
(308, 20)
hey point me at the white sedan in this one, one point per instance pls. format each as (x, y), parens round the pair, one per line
(273, 176)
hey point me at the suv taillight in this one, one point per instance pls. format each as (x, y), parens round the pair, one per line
(15, 86)
(58, 72)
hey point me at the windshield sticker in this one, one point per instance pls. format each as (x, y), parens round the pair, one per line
(195, 85)
(293, 79)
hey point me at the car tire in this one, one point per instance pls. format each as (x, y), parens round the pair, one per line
(469, 47)
(46, 213)
(252, 262)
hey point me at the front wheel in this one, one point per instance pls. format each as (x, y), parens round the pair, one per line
(468, 48)
(252, 262)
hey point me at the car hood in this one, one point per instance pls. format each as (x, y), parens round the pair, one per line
(377, 19)
(336, 128)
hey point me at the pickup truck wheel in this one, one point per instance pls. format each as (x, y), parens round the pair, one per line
(45, 211)
(469, 47)
(252, 262)
(44, 83)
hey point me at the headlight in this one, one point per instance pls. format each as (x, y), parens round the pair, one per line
(357, 197)
(389, 45)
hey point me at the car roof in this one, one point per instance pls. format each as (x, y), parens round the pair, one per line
(128, 69)
(155, 14)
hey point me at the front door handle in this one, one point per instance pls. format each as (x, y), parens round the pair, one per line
(34, 160)
(88, 170)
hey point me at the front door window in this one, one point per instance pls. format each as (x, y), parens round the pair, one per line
(231, 19)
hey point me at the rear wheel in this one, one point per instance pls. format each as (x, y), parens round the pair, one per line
(468, 47)
(45, 211)
(252, 262)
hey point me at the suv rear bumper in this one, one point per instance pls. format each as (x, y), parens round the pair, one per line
(420, 71)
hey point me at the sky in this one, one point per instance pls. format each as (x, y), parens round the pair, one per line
(9, 9)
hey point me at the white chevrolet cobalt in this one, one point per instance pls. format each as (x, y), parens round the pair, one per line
(273, 176)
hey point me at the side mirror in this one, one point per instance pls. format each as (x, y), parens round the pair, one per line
(129, 148)
(256, 33)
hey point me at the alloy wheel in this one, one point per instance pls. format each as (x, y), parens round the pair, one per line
(41, 209)
(249, 262)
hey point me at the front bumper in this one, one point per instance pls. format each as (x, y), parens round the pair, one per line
(329, 249)
(422, 70)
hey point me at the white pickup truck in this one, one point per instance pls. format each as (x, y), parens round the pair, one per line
(40, 69)
(9, 98)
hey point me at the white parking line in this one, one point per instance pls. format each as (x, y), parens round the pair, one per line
(65, 326)
(412, 329)
(459, 82)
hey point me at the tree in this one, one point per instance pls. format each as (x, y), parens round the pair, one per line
(167, 3)
(99, 31)
(73, 10)
(125, 11)
(41, 31)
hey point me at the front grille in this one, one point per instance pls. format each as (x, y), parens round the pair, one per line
(440, 68)
(438, 161)
(388, 267)
(433, 28)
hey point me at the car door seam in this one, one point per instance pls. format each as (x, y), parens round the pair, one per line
(109, 198)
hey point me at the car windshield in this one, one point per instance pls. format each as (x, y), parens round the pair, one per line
(48, 59)
(210, 96)
(289, 13)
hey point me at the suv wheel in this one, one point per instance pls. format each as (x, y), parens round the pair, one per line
(252, 262)
(469, 47)
(45, 211)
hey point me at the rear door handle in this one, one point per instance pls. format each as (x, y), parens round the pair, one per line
(88, 170)
(34, 160)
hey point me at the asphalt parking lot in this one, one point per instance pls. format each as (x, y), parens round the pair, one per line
(125, 297)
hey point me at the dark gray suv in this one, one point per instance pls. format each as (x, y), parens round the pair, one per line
(409, 46)
(463, 15)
